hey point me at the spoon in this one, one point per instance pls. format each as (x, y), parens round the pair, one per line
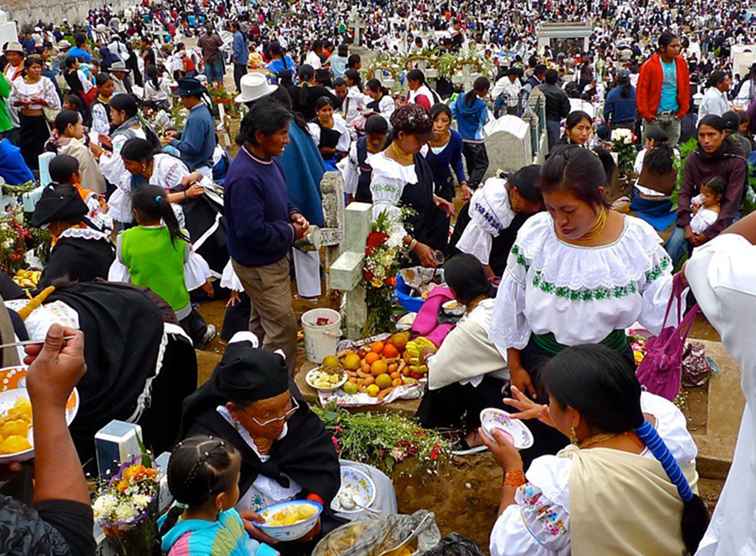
(348, 502)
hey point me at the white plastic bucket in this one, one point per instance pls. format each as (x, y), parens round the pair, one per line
(320, 341)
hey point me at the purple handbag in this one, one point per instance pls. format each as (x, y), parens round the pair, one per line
(661, 368)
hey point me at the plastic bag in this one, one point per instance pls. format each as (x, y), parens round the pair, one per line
(385, 536)
(454, 545)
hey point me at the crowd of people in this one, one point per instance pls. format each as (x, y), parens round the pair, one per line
(149, 212)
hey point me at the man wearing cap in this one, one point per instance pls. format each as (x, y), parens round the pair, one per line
(120, 75)
(14, 55)
(197, 141)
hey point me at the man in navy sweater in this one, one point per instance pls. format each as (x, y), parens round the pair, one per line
(197, 141)
(262, 225)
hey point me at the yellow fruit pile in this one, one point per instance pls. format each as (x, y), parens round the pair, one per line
(14, 427)
(382, 366)
(27, 278)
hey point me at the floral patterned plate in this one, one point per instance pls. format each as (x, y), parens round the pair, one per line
(520, 435)
(355, 485)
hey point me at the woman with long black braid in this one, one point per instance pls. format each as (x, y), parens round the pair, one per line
(621, 488)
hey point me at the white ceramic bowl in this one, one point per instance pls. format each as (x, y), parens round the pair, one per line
(310, 380)
(492, 419)
(9, 397)
(289, 532)
(357, 484)
(453, 308)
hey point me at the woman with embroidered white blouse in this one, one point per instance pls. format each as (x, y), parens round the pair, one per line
(625, 486)
(401, 176)
(578, 273)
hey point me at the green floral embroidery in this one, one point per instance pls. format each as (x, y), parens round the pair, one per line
(596, 294)
(658, 270)
(519, 257)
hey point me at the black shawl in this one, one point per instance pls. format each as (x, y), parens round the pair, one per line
(306, 453)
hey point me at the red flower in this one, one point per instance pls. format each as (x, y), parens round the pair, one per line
(391, 281)
(375, 240)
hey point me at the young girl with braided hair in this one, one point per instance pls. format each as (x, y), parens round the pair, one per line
(203, 477)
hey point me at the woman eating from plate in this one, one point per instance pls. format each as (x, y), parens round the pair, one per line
(578, 273)
(285, 450)
(468, 373)
(625, 486)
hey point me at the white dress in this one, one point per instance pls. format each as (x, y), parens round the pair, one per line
(581, 294)
(538, 523)
(722, 275)
(490, 214)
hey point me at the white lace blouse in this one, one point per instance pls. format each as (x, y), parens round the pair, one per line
(538, 523)
(581, 294)
(490, 214)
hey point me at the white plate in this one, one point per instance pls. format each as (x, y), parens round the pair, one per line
(356, 482)
(9, 397)
(492, 418)
(310, 380)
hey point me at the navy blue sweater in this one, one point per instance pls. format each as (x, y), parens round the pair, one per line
(257, 211)
(441, 164)
(620, 110)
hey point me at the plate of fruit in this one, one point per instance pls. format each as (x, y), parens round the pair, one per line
(381, 367)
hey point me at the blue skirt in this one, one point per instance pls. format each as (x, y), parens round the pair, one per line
(657, 213)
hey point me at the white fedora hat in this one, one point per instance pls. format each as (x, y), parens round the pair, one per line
(254, 86)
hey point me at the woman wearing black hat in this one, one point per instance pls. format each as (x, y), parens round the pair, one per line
(82, 251)
(286, 452)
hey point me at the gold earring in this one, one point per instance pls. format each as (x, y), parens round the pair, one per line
(573, 435)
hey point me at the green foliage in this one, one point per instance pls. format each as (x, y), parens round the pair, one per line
(382, 440)
(685, 149)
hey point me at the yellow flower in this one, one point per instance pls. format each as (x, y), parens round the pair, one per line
(122, 485)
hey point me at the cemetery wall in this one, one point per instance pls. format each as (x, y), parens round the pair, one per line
(31, 11)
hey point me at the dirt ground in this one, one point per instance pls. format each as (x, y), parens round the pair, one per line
(464, 494)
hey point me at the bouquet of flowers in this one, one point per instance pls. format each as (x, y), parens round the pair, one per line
(622, 144)
(13, 238)
(126, 508)
(379, 273)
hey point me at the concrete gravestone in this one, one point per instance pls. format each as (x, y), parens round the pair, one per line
(346, 271)
(508, 144)
(332, 233)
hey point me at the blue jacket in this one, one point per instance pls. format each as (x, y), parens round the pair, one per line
(303, 169)
(240, 53)
(79, 53)
(618, 109)
(257, 211)
(13, 168)
(470, 117)
(197, 141)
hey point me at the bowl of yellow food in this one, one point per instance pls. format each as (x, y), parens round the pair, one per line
(289, 521)
(16, 432)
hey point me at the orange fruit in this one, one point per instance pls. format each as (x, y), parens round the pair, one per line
(390, 351)
(377, 347)
(379, 367)
(371, 358)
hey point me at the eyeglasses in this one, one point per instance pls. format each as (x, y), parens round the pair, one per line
(283, 418)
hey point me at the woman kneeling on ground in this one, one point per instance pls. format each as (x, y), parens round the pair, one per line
(625, 484)
(468, 373)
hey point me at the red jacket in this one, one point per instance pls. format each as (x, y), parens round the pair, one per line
(649, 89)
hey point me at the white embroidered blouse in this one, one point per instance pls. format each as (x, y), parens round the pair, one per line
(538, 523)
(581, 294)
(387, 183)
(490, 214)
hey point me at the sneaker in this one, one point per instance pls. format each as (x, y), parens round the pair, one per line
(462, 448)
(209, 335)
